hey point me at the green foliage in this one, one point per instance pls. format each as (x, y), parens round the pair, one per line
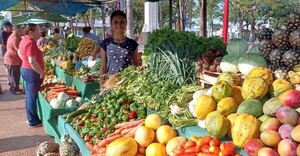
(184, 44)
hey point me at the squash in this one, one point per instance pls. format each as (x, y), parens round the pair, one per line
(227, 106)
(237, 47)
(237, 94)
(216, 124)
(252, 107)
(204, 105)
(245, 127)
(279, 86)
(255, 88)
(261, 72)
(220, 90)
(271, 106)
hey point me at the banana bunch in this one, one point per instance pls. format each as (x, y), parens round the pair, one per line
(295, 75)
(86, 46)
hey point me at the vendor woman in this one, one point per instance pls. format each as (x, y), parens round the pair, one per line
(119, 51)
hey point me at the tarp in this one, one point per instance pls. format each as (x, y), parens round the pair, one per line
(41, 15)
(34, 21)
(61, 7)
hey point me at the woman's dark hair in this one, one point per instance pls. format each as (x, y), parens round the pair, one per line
(43, 33)
(30, 27)
(86, 29)
(117, 13)
(56, 30)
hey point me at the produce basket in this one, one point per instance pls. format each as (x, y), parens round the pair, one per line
(66, 128)
(49, 116)
(60, 73)
(86, 89)
(198, 131)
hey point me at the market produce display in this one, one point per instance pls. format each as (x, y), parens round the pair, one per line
(99, 120)
(86, 46)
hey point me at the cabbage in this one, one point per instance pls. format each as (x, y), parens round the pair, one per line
(79, 100)
(229, 63)
(71, 103)
(254, 49)
(237, 47)
(62, 97)
(54, 103)
(249, 61)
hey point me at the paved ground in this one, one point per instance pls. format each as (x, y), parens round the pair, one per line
(16, 139)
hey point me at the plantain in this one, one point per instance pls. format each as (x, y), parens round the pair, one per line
(294, 77)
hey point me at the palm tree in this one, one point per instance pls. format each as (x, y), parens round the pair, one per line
(203, 17)
(129, 12)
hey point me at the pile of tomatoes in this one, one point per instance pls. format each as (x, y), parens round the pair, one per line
(205, 146)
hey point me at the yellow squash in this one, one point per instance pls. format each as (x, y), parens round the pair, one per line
(261, 72)
(254, 88)
(227, 106)
(204, 105)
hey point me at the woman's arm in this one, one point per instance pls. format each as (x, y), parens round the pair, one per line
(35, 65)
(136, 58)
(103, 61)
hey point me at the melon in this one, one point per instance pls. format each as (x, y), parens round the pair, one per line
(252, 107)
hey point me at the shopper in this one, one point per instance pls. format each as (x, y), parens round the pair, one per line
(32, 71)
(12, 60)
(7, 31)
(87, 33)
(68, 32)
(119, 51)
(42, 41)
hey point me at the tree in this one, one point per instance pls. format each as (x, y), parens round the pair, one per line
(129, 14)
(214, 12)
(203, 17)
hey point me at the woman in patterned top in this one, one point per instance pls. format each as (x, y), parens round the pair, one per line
(119, 51)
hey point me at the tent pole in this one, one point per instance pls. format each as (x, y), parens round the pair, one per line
(225, 21)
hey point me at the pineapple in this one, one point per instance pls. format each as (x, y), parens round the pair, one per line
(67, 148)
(47, 147)
(291, 58)
(265, 34)
(295, 38)
(266, 46)
(275, 58)
(281, 39)
(292, 21)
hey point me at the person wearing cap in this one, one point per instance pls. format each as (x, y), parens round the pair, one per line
(12, 60)
(68, 32)
(7, 31)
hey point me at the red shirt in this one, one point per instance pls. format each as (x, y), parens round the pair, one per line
(11, 56)
(28, 47)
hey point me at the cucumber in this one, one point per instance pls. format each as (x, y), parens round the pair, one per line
(72, 115)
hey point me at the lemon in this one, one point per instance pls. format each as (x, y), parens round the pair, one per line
(156, 149)
(165, 133)
(144, 136)
(153, 121)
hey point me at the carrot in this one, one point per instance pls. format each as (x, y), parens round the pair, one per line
(134, 125)
(106, 141)
(132, 132)
(59, 89)
(130, 123)
(118, 131)
(89, 146)
(57, 86)
(125, 131)
(97, 149)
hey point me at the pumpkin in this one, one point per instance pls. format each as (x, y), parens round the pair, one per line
(249, 61)
(204, 105)
(255, 88)
(279, 86)
(237, 94)
(220, 90)
(261, 72)
(271, 106)
(252, 107)
(231, 118)
(245, 127)
(227, 106)
(237, 47)
(216, 124)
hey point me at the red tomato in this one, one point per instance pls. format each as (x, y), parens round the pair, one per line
(187, 154)
(205, 148)
(214, 142)
(207, 154)
(190, 143)
(178, 151)
(214, 149)
(192, 150)
(237, 154)
(206, 140)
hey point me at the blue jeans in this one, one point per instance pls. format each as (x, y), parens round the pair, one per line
(32, 86)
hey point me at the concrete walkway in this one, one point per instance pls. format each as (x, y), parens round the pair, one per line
(16, 139)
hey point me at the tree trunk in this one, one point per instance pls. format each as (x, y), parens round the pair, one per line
(129, 12)
(240, 24)
(178, 23)
(182, 13)
(203, 17)
(160, 15)
(212, 27)
(103, 23)
(170, 13)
